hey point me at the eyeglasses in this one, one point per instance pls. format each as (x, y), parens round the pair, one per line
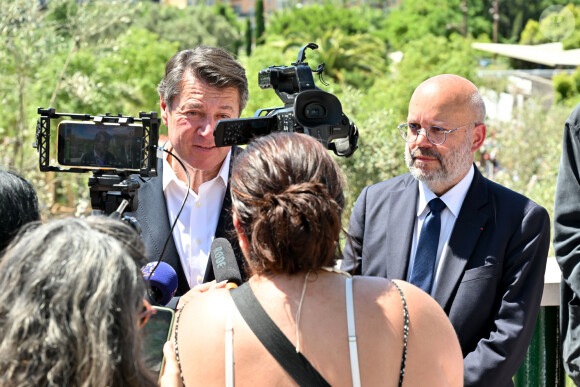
(435, 134)
(147, 312)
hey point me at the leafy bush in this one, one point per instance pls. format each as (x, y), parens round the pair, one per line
(564, 86)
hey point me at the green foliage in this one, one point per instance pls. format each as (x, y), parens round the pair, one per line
(260, 22)
(415, 19)
(311, 22)
(355, 60)
(248, 37)
(531, 34)
(528, 151)
(192, 26)
(533, 31)
(564, 86)
(229, 15)
(120, 66)
(25, 47)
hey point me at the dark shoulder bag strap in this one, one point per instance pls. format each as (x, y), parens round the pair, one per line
(295, 364)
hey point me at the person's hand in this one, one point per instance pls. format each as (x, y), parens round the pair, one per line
(170, 375)
(201, 288)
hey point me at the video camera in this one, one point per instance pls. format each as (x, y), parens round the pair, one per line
(307, 109)
(111, 146)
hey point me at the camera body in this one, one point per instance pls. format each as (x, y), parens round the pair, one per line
(307, 109)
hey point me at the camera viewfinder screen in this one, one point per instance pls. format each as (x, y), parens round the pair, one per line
(99, 146)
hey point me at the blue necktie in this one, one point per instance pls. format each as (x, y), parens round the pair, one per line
(426, 255)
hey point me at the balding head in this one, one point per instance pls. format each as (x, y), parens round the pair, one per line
(454, 94)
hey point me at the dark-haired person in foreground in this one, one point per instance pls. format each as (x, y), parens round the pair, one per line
(200, 87)
(478, 248)
(18, 205)
(288, 199)
(71, 303)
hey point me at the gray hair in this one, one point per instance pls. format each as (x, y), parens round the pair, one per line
(70, 296)
(18, 205)
(478, 105)
(212, 65)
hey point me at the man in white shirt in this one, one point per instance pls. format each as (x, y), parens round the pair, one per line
(200, 87)
(478, 248)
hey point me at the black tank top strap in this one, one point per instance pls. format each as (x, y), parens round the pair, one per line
(405, 333)
(176, 347)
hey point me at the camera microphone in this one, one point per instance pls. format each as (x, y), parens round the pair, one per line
(162, 280)
(223, 260)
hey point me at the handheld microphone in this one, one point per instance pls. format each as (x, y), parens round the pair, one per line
(225, 266)
(163, 281)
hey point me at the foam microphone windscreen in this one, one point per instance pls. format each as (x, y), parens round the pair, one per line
(162, 281)
(223, 260)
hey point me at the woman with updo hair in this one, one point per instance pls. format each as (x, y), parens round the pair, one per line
(287, 195)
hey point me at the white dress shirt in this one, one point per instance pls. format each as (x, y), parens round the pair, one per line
(453, 200)
(195, 228)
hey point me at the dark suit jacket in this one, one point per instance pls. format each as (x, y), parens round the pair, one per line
(492, 280)
(567, 243)
(152, 216)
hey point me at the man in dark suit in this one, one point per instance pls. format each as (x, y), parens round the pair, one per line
(567, 244)
(200, 87)
(487, 266)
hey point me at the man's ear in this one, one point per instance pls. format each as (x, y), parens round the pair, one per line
(478, 136)
(164, 112)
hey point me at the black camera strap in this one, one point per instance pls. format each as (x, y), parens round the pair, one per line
(295, 364)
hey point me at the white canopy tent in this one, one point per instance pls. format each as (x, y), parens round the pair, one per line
(549, 54)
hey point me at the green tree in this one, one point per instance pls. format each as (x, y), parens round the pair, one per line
(25, 47)
(248, 37)
(355, 60)
(531, 33)
(311, 22)
(415, 19)
(192, 26)
(260, 22)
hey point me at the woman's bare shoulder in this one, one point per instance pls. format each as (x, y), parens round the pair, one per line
(211, 305)
(433, 353)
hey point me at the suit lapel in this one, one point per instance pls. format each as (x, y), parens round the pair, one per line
(399, 230)
(466, 232)
(155, 222)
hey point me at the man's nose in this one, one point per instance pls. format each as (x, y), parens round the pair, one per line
(207, 126)
(422, 141)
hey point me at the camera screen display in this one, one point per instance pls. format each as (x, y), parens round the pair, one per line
(85, 144)
(155, 333)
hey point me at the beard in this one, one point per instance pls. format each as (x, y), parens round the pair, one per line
(451, 167)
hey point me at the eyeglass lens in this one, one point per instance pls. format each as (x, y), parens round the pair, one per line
(435, 134)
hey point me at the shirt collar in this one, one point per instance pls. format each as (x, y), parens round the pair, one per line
(170, 177)
(453, 198)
